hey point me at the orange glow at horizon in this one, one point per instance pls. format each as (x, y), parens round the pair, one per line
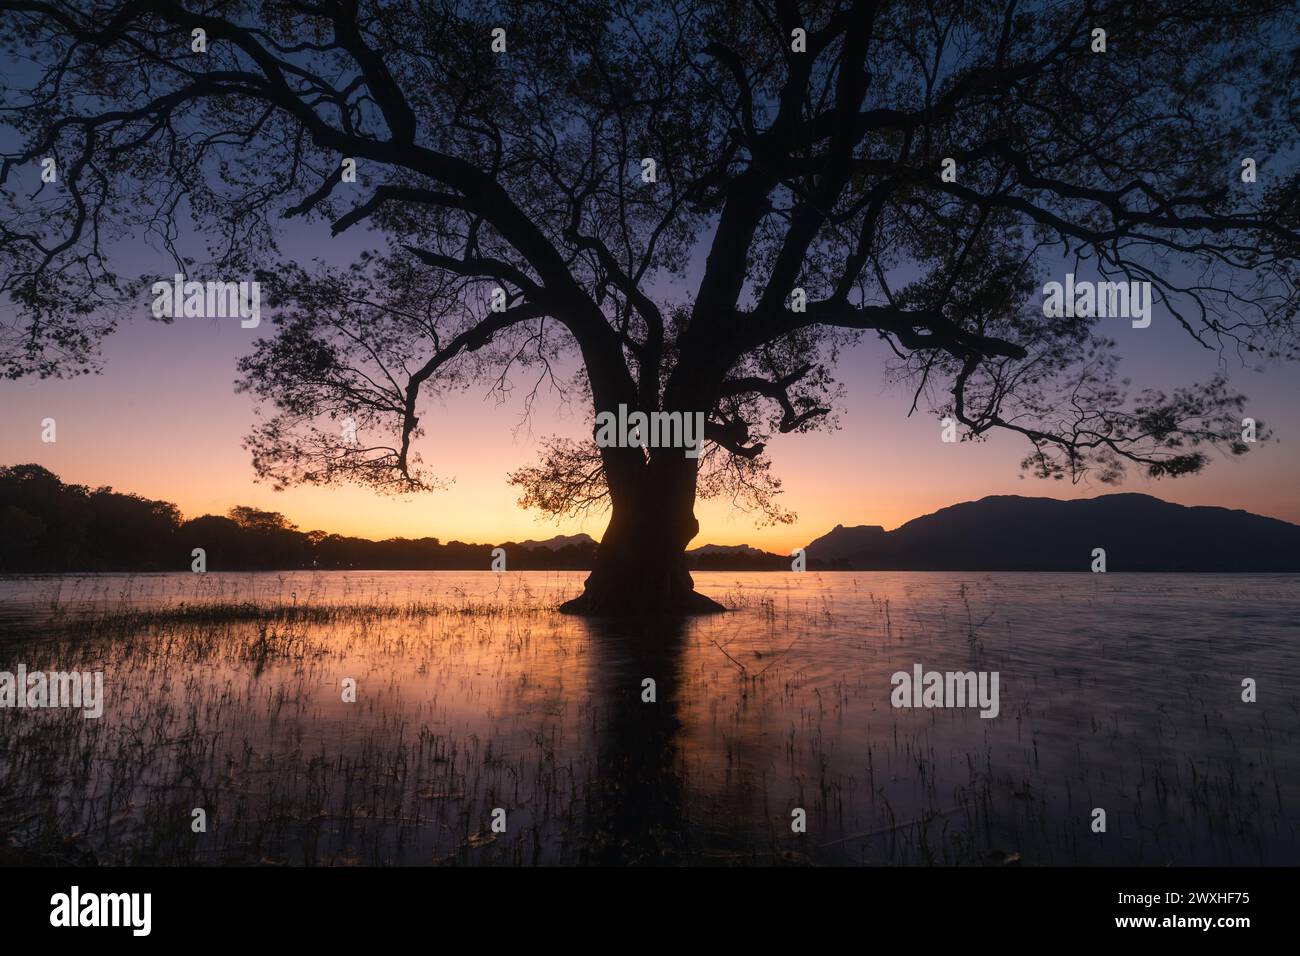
(163, 422)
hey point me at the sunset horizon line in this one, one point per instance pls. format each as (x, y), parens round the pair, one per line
(575, 527)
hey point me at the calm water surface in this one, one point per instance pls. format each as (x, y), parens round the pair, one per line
(224, 692)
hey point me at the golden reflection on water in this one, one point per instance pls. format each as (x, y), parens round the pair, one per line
(226, 692)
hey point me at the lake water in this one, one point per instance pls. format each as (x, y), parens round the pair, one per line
(224, 692)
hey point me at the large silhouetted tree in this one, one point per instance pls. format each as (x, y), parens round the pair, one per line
(706, 202)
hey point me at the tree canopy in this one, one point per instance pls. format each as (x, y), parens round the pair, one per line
(704, 203)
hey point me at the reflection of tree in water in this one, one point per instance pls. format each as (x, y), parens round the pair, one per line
(636, 798)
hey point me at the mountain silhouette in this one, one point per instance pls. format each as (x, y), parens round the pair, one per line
(580, 540)
(1013, 533)
(727, 549)
(47, 526)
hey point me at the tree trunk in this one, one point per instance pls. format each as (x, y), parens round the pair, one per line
(641, 561)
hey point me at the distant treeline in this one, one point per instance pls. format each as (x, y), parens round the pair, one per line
(47, 526)
(737, 561)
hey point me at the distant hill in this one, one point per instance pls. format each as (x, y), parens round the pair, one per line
(1011, 533)
(726, 549)
(734, 557)
(559, 541)
(47, 526)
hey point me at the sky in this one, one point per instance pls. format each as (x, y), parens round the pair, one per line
(163, 421)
